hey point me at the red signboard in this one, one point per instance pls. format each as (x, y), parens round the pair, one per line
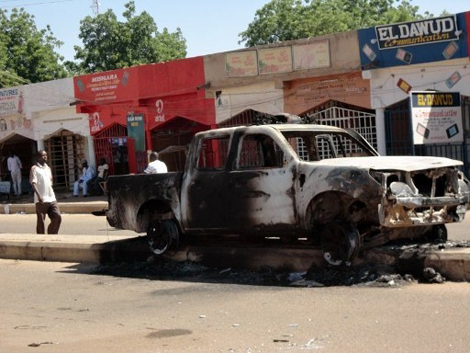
(160, 92)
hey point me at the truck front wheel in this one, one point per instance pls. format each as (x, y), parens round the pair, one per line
(161, 236)
(340, 242)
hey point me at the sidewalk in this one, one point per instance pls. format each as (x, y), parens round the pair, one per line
(67, 203)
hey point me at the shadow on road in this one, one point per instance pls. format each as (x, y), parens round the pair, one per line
(131, 258)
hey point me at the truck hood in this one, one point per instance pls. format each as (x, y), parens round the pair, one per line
(403, 163)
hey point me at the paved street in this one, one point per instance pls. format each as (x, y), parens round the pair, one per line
(62, 307)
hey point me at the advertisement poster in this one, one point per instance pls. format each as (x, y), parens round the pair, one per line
(436, 117)
(10, 102)
(136, 130)
(275, 60)
(241, 64)
(311, 56)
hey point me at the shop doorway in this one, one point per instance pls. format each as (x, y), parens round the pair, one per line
(112, 144)
(170, 140)
(65, 151)
(25, 149)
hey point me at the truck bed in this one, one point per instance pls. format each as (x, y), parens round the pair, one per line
(130, 195)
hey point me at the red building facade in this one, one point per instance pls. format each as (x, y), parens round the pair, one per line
(149, 107)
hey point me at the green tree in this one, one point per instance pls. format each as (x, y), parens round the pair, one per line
(109, 44)
(27, 55)
(281, 20)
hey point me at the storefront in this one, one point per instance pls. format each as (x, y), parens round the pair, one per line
(430, 55)
(39, 116)
(139, 109)
(317, 77)
(338, 100)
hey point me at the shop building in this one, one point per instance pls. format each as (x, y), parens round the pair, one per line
(39, 116)
(408, 61)
(139, 109)
(317, 77)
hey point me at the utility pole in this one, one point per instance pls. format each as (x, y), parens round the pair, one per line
(95, 7)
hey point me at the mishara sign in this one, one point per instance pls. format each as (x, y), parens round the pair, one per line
(427, 31)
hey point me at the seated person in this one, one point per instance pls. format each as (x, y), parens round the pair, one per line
(87, 174)
(103, 171)
(155, 166)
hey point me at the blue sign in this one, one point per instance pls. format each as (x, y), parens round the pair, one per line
(414, 42)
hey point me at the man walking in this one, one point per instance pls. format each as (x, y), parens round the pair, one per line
(40, 178)
(14, 166)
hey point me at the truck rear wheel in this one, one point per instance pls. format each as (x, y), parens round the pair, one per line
(161, 236)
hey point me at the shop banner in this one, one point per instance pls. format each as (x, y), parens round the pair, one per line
(431, 30)
(417, 42)
(104, 87)
(11, 101)
(436, 117)
(136, 130)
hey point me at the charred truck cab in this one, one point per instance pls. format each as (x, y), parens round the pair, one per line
(297, 181)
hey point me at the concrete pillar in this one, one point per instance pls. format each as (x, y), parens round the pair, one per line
(40, 144)
(380, 128)
(91, 152)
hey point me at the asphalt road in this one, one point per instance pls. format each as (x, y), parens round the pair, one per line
(61, 307)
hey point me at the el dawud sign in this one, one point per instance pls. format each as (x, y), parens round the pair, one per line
(431, 30)
(436, 117)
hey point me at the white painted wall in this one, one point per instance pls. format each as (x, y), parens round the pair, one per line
(433, 76)
(263, 97)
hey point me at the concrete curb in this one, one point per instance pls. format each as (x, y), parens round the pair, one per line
(71, 248)
(453, 264)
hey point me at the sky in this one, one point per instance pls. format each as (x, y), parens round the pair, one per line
(209, 26)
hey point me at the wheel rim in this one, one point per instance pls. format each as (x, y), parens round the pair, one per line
(160, 238)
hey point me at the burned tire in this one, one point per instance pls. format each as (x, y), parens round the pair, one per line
(161, 236)
(340, 242)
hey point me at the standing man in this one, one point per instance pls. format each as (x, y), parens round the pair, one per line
(14, 166)
(40, 178)
(155, 166)
(87, 174)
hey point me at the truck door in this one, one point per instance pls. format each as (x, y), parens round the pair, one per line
(261, 186)
(252, 192)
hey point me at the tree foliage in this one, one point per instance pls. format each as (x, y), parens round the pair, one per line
(109, 44)
(27, 55)
(281, 20)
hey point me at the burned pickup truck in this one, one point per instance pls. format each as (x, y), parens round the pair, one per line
(317, 183)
